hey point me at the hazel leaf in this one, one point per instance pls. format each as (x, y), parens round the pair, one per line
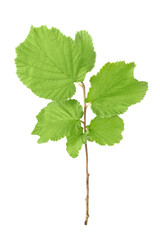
(85, 43)
(114, 89)
(57, 120)
(106, 130)
(49, 63)
(74, 143)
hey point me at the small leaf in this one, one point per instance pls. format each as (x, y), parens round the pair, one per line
(84, 41)
(106, 130)
(74, 143)
(49, 63)
(114, 89)
(57, 120)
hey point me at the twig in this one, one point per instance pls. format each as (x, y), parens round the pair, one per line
(86, 150)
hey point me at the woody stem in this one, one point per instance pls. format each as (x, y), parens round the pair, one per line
(86, 151)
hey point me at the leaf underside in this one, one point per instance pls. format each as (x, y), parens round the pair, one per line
(49, 63)
(114, 89)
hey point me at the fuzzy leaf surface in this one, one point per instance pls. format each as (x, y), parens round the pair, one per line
(57, 120)
(114, 89)
(74, 143)
(49, 63)
(85, 44)
(106, 130)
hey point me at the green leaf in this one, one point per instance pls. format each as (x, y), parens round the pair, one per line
(114, 89)
(84, 41)
(49, 63)
(57, 120)
(74, 143)
(106, 130)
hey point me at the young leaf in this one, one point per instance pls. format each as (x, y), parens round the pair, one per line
(57, 120)
(114, 89)
(84, 41)
(106, 130)
(74, 143)
(49, 63)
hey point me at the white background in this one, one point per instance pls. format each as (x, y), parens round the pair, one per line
(42, 189)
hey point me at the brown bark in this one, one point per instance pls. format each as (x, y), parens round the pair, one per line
(86, 151)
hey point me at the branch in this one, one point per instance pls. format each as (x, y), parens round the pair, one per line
(86, 150)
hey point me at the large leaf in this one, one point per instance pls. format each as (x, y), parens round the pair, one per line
(74, 143)
(57, 120)
(106, 130)
(84, 41)
(49, 63)
(114, 89)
